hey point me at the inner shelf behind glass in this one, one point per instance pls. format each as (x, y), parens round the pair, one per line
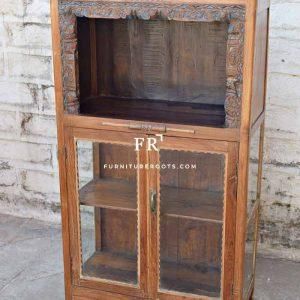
(191, 222)
(108, 212)
(153, 70)
(191, 217)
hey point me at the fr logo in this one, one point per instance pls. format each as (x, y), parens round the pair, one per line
(151, 142)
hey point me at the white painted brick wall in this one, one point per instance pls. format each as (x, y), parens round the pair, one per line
(28, 164)
(20, 34)
(281, 174)
(12, 7)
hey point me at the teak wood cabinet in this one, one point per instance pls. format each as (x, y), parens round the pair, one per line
(160, 114)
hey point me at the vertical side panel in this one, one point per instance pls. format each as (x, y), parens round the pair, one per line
(84, 56)
(61, 149)
(254, 211)
(241, 206)
(73, 210)
(260, 65)
(230, 220)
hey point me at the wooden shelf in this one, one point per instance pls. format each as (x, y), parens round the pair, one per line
(109, 193)
(105, 265)
(163, 111)
(181, 203)
(200, 279)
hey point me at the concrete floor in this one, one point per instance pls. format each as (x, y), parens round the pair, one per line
(31, 265)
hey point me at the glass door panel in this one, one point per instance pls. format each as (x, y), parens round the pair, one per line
(191, 222)
(255, 157)
(107, 185)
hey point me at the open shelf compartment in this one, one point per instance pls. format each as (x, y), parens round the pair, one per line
(161, 62)
(153, 70)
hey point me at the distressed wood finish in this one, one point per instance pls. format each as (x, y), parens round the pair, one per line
(143, 61)
(244, 105)
(233, 15)
(195, 132)
(61, 151)
(180, 112)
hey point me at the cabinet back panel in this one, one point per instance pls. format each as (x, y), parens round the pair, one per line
(119, 231)
(193, 249)
(207, 176)
(169, 60)
(190, 241)
(158, 59)
(110, 154)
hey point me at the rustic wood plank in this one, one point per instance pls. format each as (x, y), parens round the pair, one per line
(205, 172)
(109, 193)
(174, 130)
(147, 60)
(112, 154)
(120, 231)
(83, 293)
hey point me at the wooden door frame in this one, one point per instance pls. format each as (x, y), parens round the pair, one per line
(230, 151)
(118, 138)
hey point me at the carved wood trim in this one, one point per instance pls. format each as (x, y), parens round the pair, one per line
(234, 15)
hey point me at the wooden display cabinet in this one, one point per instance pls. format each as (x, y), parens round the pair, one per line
(160, 114)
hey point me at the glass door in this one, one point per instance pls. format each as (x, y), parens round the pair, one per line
(193, 239)
(107, 210)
